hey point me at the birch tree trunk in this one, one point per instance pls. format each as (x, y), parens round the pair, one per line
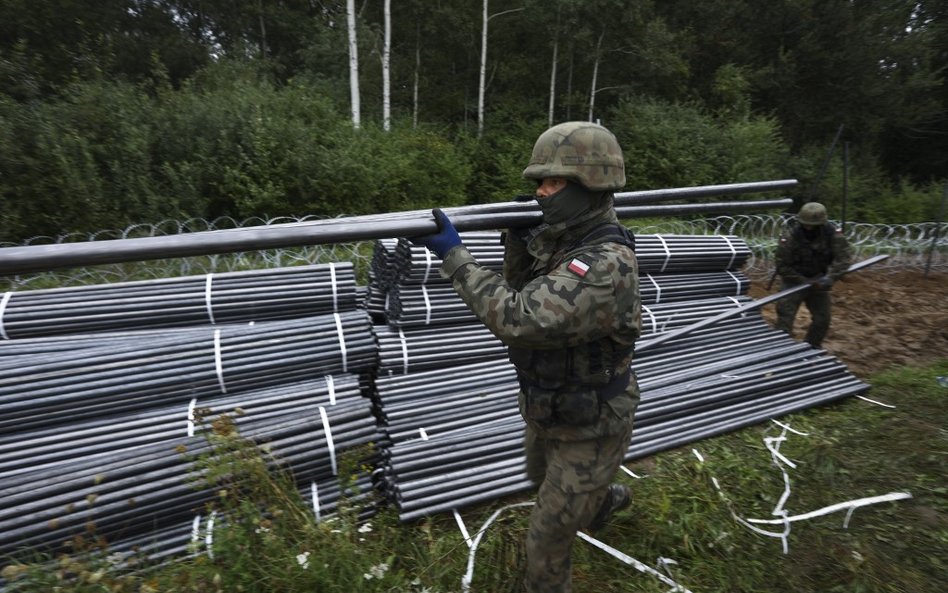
(556, 45)
(353, 64)
(386, 77)
(592, 88)
(483, 74)
(414, 91)
(569, 85)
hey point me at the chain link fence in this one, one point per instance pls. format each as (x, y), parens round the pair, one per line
(916, 246)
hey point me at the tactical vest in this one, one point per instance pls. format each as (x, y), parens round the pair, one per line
(810, 261)
(602, 364)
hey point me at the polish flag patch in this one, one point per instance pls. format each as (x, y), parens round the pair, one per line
(579, 268)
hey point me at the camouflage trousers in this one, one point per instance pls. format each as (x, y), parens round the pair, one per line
(818, 303)
(574, 477)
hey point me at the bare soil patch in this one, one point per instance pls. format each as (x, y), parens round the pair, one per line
(881, 319)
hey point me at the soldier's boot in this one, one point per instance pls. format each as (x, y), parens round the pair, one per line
(617, 498)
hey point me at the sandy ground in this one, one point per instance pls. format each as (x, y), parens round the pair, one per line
(881, 319)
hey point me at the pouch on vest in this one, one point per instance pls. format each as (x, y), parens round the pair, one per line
(576, 408)
(548, 407)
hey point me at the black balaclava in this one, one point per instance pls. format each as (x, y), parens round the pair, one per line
(572, 203)
(810, 234)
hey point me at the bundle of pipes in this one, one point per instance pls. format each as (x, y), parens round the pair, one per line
(402, 351)
(207, 299)
(441, 400)
(740, 373)
(33, 449)
(418, 296)
(136, 490)
(659, 254)
(190, 537)
(381, 277)
(414, 349)
(176, 366)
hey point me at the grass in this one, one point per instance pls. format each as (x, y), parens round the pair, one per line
(851, 450)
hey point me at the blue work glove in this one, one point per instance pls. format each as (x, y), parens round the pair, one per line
(444, 240)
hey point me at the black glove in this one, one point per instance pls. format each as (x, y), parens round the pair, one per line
(444, 240)
(825, 282)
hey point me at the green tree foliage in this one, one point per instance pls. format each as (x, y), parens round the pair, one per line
(113, 113)
(680, 144)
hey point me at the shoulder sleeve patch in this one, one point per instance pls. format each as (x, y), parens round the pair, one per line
(578, 267)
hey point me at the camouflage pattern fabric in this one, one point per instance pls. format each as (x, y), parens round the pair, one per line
(799, 260)
(582, 151)
(561, 303)
(577, 477)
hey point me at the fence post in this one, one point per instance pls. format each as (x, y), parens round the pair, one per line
(941, 217)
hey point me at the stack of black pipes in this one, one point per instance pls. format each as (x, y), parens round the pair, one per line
(93, 425)
(454, 426)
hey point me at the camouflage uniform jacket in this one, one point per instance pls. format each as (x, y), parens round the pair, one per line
(569, 314)
(799, 259)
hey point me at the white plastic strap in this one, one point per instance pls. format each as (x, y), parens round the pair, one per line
(218, 360)
(342, 342)
(427, 266)
(3, 307)
(332, 448)
(652, 317)
(639, 566)
(852, 504)
(737, 304)
(195, 529)
(733, 251)
(314, 493)
(401, 335)
(658, 289)
(667, 252)
(463, 528)
(424, 293)
(209, 536)
(207, 297)
(788, 428)
(469, 575)
(332, 277)
(423, 434)
(331, 387)
(191, 416)
(737, 282)
(630, 472)
(872, 401)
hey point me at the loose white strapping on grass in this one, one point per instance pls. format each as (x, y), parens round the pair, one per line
(462, 527)
(632, 562)
(850, 504)
(469, 575)
(872, 401)
(779, 460)
(631, 473)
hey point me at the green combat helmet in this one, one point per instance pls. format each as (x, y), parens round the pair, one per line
(580, 151)
(812, 213)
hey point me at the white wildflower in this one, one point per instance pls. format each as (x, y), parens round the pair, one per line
(303, 559)
(376, 572)
(367, 528)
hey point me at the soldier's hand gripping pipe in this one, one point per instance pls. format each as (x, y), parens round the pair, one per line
(444, 240)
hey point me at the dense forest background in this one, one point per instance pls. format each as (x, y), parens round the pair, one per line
(115, 112)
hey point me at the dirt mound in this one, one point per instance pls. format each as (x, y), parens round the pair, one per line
(881, 319)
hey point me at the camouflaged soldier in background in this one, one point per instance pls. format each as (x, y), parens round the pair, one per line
(569, 310)
(812, 251)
